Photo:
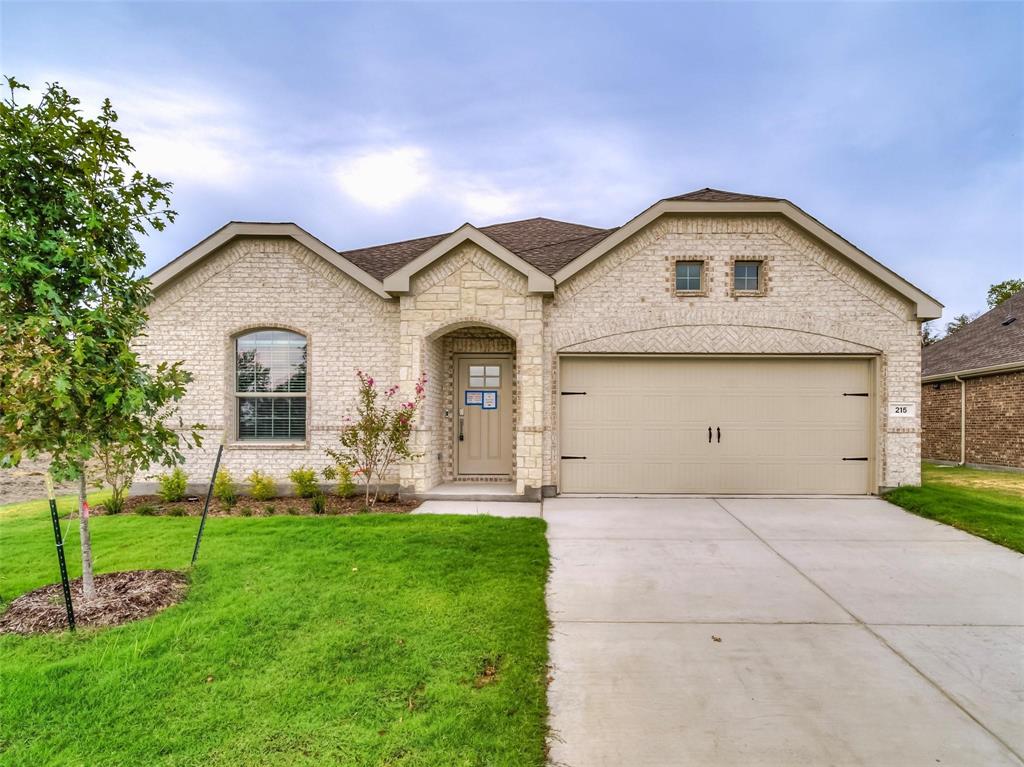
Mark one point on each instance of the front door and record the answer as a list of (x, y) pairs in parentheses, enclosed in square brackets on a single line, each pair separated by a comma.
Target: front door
[(483, 402)]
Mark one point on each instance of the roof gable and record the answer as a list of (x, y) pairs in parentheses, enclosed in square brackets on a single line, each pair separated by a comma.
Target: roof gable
[(990, 341), (167, 273)]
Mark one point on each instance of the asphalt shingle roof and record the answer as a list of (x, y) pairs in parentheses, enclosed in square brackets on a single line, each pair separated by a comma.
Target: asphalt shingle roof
[(983, 343), (543, 242)]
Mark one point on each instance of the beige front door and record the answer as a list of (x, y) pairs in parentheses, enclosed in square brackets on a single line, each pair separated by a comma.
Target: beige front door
[(483, 403), (716, 425)]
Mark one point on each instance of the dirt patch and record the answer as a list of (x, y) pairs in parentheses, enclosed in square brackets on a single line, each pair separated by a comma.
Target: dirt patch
[(488, 672), (120, 598), (249, 507), (975, 479)]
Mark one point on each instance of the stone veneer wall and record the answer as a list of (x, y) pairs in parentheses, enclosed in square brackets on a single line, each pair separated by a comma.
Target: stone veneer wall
[(270, 282), (471, 288), (995, 420), (814, 302)]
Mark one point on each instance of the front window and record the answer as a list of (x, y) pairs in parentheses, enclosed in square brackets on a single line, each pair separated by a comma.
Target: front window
[(688, 275), (747, 275), (270, 386)]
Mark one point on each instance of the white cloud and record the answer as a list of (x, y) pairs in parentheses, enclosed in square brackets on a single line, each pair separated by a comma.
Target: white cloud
[(385, 177), (184, 133)]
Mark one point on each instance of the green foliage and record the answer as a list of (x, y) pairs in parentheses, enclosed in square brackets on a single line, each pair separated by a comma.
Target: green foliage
[(380, 433), (928, 334), (224, 488), (146, 510), (72, 294), (176, 511), (293, 510), (304, 481), (341, 474), (246, 511), (271, 509), (318, 503), (171, 486), (1002, 290), (960, 322), (397, 611), (262, 486)]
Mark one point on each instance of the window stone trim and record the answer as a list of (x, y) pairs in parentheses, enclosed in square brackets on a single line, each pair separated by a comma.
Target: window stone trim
[(764, 277), (705, 276)]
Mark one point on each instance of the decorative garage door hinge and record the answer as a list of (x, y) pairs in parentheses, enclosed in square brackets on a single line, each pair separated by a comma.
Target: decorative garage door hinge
[(855, 394), (574, 458), (573, 393), (856, 459)]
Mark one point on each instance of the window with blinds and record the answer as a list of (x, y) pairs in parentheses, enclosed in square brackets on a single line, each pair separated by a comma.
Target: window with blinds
[(270, 385)]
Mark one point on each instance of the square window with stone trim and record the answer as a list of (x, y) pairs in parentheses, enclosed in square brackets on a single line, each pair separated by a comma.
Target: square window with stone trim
[(689, 276), (746, 276)]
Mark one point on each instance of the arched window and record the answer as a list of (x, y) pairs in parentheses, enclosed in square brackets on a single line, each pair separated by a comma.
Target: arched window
[(270, 386)]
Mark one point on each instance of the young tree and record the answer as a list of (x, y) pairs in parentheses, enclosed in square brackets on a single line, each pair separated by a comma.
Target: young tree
[(1002, 290), (928, 334), (960, 322), (378, 435), (72, 298)]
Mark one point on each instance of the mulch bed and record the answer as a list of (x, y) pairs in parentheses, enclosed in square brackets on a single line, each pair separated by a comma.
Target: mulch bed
[(249, 507), (120, 598)]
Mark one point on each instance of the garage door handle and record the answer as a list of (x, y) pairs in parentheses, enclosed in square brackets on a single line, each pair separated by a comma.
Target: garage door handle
[(709, 435), (719, 430)]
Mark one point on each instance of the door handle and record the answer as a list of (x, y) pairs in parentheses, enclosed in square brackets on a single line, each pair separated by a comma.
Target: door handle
[(709, 435), (462, 437), (719, 430)]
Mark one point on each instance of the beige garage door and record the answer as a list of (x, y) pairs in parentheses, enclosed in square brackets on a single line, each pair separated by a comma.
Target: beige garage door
[(715, 425)]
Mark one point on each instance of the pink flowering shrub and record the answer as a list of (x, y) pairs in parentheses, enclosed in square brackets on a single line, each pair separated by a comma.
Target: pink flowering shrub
[(379, 434)]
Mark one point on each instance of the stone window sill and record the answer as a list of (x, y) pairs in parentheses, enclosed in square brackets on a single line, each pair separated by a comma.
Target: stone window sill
[(691, 294), (266, 445)]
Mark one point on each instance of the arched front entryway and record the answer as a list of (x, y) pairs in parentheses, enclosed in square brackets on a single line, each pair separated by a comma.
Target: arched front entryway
[(475, 415)]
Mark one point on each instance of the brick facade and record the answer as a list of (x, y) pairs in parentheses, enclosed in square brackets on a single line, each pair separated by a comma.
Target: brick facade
[(995, 420), (814, 302)]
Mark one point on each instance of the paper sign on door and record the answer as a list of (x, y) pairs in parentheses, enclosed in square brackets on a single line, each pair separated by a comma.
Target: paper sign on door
[(474, 397), (490, 401)]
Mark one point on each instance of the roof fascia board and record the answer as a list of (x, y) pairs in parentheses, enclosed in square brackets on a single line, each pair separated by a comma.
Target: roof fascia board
[(1007, 367), (225, 234), (536, 280), (926, 307)]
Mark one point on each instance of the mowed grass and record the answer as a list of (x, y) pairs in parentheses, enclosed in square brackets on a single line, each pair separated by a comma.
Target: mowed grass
[(303, 641), (989, 504)]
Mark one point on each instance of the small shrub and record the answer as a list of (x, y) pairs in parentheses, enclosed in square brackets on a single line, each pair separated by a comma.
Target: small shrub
[(292, 510), (171, 486), (319, 503), (271, 509), (146, 510), (176, 511), (342, 474), (262, 486), (245, 511), (304, 481), (224, 488)]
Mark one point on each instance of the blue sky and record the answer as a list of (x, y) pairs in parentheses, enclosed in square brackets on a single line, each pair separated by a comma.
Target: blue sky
[(898, 125)]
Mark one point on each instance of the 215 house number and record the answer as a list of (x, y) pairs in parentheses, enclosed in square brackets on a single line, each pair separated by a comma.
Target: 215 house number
[(901, 410)]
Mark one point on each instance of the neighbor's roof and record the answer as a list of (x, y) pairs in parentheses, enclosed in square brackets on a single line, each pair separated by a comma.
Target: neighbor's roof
[(990, 341), (543, 242)]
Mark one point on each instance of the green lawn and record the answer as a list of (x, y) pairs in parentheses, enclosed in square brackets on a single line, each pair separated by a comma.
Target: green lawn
[(303, 641), (989, 504)]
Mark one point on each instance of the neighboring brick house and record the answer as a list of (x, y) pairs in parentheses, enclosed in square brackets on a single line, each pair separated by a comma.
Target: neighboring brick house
[(972, 391), (717, 342)]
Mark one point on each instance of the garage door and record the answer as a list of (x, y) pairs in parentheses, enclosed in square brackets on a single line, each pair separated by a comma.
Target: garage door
[(715, 425)]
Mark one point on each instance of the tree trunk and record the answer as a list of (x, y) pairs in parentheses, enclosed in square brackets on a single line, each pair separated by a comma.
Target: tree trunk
[(88, 589)]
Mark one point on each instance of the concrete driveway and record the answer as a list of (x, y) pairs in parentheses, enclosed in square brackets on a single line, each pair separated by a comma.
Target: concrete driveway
[(780, 632)]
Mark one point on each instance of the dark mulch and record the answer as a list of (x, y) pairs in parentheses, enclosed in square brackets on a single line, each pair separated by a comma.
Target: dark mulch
[(120, 598), (249, 507)]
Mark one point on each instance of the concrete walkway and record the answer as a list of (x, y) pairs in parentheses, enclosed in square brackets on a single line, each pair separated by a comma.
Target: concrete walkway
[(780, 632)]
